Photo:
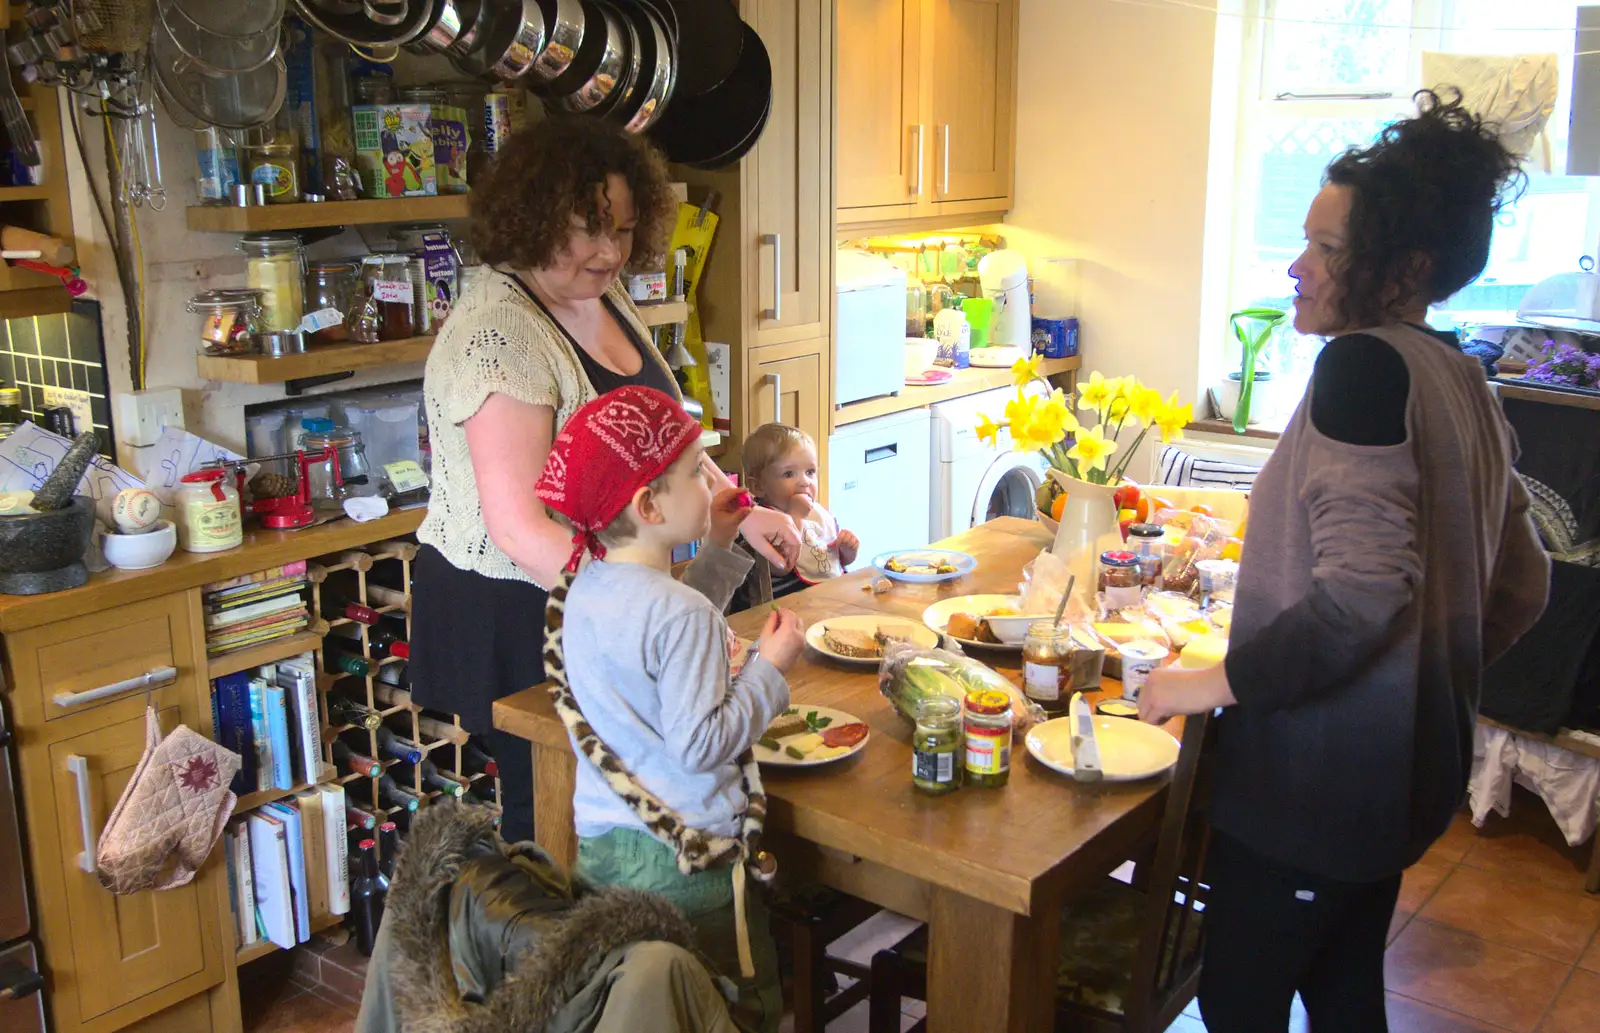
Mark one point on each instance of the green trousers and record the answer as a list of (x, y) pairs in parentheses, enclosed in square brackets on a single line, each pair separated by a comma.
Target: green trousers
[(627, 857)]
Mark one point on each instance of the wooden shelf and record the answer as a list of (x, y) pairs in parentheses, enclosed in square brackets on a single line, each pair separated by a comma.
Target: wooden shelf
[(34, 301), (265, 653), (261, 948), (663, 313), (316, 361), (224, 218), (39, 193), (968, 381), (250, 801)]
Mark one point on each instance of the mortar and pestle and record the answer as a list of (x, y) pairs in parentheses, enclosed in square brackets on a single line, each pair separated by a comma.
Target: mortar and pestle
[(42, 550)]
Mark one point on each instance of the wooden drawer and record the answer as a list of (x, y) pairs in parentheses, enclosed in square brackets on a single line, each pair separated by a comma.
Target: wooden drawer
[(87, 672)]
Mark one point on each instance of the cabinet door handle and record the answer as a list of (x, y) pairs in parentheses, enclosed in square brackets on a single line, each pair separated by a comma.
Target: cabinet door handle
[(916, 189), (79, 766), (944, 133), (774, 313), (149, 680), (776, 381)]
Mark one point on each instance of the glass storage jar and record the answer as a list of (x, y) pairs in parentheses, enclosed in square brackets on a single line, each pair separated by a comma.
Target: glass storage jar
[(216, 165), (375, 88), (273, 160), (936, 754), (209, 516), (1145, 541), (987, 733), (230, 319), (386, 275), (353, 479), (331, 294), (275, 266), (1046, 666), (1120, 579)]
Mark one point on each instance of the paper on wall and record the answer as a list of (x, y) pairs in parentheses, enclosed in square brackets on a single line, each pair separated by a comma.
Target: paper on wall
[(31, 452), (176, 453)]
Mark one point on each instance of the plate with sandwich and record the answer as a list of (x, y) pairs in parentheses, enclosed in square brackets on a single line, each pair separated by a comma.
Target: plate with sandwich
[(986, 621), (804, 736), (860, 638)]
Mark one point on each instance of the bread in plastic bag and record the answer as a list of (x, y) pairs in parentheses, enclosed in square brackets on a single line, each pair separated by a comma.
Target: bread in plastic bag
[(909, 673)]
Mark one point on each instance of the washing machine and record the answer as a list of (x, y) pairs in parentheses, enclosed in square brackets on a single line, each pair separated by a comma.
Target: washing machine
[(973, 482), (878, 481)]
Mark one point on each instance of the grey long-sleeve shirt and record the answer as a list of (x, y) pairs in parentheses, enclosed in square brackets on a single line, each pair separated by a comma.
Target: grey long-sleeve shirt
[(1377, 582), (647, 657)]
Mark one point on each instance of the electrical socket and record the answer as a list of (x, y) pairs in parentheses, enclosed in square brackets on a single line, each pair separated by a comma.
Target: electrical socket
[(143, 415)]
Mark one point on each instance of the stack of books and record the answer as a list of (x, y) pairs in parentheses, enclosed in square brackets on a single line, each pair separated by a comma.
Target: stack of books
[(288, 866), (255, 608), (269, 717)]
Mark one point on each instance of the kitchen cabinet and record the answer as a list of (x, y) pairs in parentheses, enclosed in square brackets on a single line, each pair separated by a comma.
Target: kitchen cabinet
[(789, 384), (926, 108)]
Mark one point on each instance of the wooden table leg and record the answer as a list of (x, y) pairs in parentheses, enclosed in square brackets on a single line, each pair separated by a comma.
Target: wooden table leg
[(989, 968), (554, 777)]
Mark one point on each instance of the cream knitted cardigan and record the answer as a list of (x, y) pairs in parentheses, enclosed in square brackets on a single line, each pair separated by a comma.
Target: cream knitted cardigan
[(496, 341)]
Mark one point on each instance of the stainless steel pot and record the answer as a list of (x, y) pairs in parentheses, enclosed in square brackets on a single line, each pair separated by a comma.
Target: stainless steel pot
[(653, 87), (564, 35), (613, 65), (363, 31), (513, 37), (442, 30), (474, 19)]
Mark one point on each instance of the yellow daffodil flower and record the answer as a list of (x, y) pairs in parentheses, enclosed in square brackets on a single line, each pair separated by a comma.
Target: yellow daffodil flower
[(1144, 405), (1117, 411), (1020, 417), (988, 430), (1096, 393), (1052, 421), (1091, 450), (1172, 418), (1026, 371)]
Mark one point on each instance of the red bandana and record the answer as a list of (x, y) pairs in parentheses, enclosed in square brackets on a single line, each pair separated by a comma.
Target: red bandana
[(609, 449)]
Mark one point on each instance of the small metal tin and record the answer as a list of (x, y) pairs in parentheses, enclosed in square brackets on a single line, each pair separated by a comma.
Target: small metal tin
[(258, 193), (241, 195), (278, 344), (312, 198)]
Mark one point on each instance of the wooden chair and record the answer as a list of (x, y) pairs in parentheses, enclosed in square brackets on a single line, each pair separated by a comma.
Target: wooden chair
[(814, 917), (1130, 954)]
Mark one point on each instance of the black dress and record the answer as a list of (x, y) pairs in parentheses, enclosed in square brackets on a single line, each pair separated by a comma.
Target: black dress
[(476, 638)]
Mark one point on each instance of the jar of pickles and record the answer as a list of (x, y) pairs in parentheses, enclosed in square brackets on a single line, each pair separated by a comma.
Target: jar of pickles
[(987, 732), (275, 266), (330, 295), (230, 319), (936, 761)]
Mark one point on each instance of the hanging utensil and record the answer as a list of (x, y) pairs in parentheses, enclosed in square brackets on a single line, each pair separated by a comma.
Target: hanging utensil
[(18, 130), (157, 191)]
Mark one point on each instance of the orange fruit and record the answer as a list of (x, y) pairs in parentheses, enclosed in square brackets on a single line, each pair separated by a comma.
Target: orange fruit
[(1202, 510), (1058, 506)]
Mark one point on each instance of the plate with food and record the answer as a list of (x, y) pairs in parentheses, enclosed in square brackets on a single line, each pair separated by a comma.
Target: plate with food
[(805, 736), (860, 639), (924, 566), (985, 621), (1128, 749)]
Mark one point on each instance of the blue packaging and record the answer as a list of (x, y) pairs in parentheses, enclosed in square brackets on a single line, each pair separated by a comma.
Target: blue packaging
[(1055, 338)]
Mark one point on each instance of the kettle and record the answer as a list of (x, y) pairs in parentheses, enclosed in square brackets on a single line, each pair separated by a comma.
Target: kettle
[(1003, 276)]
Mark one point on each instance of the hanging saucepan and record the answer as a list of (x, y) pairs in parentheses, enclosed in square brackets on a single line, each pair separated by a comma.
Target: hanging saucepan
[(230, 17), (361, 30), (212, 52), (231, 101), (610, 65), (511, 40), (592, 43), (632, 65), (710, 37), (653, 86), (443, 27), (475, 16), (564, 22), (718, 128)]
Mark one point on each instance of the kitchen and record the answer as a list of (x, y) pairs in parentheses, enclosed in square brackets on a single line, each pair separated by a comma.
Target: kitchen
[(967, 140)]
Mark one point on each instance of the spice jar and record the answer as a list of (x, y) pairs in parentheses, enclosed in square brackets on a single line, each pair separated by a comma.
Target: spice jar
[(209, 516), (987, 728), (1046, 666), (387, 278), (230, 320), (275, 267), (1146, 542), (936, 745), (329, 298), (1119, 579)]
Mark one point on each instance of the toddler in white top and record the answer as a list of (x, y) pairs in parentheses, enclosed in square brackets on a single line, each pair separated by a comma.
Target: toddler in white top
[(780, 471)]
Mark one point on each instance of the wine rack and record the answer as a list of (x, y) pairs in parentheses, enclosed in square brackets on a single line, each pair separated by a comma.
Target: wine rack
[(441, 742)]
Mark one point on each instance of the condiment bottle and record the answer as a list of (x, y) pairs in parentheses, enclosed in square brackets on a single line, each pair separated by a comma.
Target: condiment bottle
[(367, 895), (1120, 579), (1046, 666), (936, 762), (1147, 543), (210, 518), (987, 729)]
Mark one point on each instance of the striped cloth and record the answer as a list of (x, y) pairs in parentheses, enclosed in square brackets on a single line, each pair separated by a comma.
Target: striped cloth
[(1182, 469)]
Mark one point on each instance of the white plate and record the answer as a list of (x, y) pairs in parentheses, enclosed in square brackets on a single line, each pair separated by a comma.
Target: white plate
[(937, 616), (868, 623), (1129, 749), (995, 356), (778, 759)]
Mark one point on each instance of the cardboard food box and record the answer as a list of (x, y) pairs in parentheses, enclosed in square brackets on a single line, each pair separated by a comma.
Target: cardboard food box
[(395, 150), (451, 138)]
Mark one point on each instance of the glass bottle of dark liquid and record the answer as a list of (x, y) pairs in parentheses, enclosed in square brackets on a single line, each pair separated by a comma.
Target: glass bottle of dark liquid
[(432, 780), (345, 711), (334, 607), (475, 761), (397, 746), (350, 762), (393, 794), (388, 639), (343, 656), (388, 848), (367, 894), (395, 676)]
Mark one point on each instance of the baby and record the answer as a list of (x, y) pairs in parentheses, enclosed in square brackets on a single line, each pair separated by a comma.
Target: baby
[(780, 470)]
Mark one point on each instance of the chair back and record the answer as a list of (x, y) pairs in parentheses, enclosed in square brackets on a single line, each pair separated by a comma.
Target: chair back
[(1166, 971)]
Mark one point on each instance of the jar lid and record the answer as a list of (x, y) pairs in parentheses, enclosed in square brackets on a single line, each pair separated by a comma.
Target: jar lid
[(1119, 559), (1049, 627), (332, 268), (1116, 708), (316, 424), (270, 243), (226, 297), (203, 476), (988, 701), (10, 395), (1146, 531)]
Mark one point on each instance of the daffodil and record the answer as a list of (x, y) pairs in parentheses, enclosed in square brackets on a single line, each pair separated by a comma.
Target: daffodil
[(1026, 371), (1091, 449), (1172, 418), (1051, 421), (1117, 411), (988, 430), (1144, 405), (1096, 393)]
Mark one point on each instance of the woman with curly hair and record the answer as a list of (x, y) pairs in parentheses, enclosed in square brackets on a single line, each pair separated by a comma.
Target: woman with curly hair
[(1390, 559)]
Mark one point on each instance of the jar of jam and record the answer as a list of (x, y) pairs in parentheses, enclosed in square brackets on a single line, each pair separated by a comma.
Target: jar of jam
[(987, 731), (1120, 579), (386, 276), (330, 296), (1046, 666), (1147, 542)]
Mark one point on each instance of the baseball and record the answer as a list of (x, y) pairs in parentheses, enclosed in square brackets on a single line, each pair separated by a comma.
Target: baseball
[(135, 510)]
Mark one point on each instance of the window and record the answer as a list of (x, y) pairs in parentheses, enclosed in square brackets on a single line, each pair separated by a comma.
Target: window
[(1324, 75)]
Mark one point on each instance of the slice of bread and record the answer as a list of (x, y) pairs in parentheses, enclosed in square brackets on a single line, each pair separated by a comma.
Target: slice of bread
[(851, 642), (888, 633)]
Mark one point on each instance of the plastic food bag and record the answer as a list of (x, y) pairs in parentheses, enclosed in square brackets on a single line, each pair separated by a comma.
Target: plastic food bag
[(1043, 581), (910, 673)]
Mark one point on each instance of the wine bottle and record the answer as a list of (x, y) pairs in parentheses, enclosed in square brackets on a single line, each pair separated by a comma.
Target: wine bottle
[(352, 763), (388, 848), (398, 747), (367, 895), (388, 639), (360, 818), (343, 656), (336, 604), (387, 694), (342, 710), (475, 761), (394, 795), (432, 779), (396, 676)]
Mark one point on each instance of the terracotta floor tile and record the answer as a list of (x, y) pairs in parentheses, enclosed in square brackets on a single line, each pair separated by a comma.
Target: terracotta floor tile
[(303, 1013), (1516, 912), (1577, 1007), (1420, 881), (1529, 845), (1471, 976), (1408, 1016), (1457, 839), (1591, 957)]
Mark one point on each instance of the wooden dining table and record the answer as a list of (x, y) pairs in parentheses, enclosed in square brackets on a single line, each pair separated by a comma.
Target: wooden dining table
[(987, 869)]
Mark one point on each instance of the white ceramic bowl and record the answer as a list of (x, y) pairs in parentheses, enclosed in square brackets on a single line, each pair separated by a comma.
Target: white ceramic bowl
[(141, 551), (1012, 630), (920, 353)]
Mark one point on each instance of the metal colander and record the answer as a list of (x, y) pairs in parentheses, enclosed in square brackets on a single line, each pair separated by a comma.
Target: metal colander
[(124, 25)]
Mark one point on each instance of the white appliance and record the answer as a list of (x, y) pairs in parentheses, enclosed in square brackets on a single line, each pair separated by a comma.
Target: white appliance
[(1003, 275), (878, 473), (972, 482), (870, 328)]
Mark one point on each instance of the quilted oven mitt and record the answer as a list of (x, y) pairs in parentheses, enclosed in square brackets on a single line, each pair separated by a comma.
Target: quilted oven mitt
[(171, 813)]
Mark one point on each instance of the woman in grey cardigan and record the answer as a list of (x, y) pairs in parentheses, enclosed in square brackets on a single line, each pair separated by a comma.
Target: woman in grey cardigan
[(1390, 558)]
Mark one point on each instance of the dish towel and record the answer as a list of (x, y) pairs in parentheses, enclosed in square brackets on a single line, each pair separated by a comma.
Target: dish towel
[(1567, 782), (171, 813), (1516, 91)]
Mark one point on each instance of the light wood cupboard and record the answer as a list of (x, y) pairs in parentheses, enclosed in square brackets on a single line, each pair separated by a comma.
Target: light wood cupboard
[(926, 108), (788, 384)]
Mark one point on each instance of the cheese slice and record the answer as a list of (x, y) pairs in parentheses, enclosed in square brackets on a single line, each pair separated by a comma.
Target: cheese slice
[(1204, 651)]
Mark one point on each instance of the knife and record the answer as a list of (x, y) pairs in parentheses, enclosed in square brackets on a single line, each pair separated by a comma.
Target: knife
[(1085, 749)]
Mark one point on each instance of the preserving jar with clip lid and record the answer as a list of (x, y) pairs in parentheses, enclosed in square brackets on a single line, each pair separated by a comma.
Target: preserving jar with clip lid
[(344, 472), (331, 293), (230, 320), (275, 266)]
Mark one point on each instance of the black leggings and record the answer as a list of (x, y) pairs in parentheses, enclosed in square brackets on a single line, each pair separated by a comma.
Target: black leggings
[(514, 755), (1272, 931)]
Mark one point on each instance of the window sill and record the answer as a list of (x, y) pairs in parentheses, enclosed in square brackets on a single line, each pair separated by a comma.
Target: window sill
[(1265, 432)]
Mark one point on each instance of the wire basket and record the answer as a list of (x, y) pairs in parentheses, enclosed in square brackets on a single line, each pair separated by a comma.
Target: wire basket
[(124, 25)]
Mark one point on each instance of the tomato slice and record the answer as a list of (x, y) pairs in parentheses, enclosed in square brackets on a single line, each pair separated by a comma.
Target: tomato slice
[(844, 735)]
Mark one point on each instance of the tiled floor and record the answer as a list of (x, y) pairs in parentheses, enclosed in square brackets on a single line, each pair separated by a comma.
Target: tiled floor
[(1493, 933)]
